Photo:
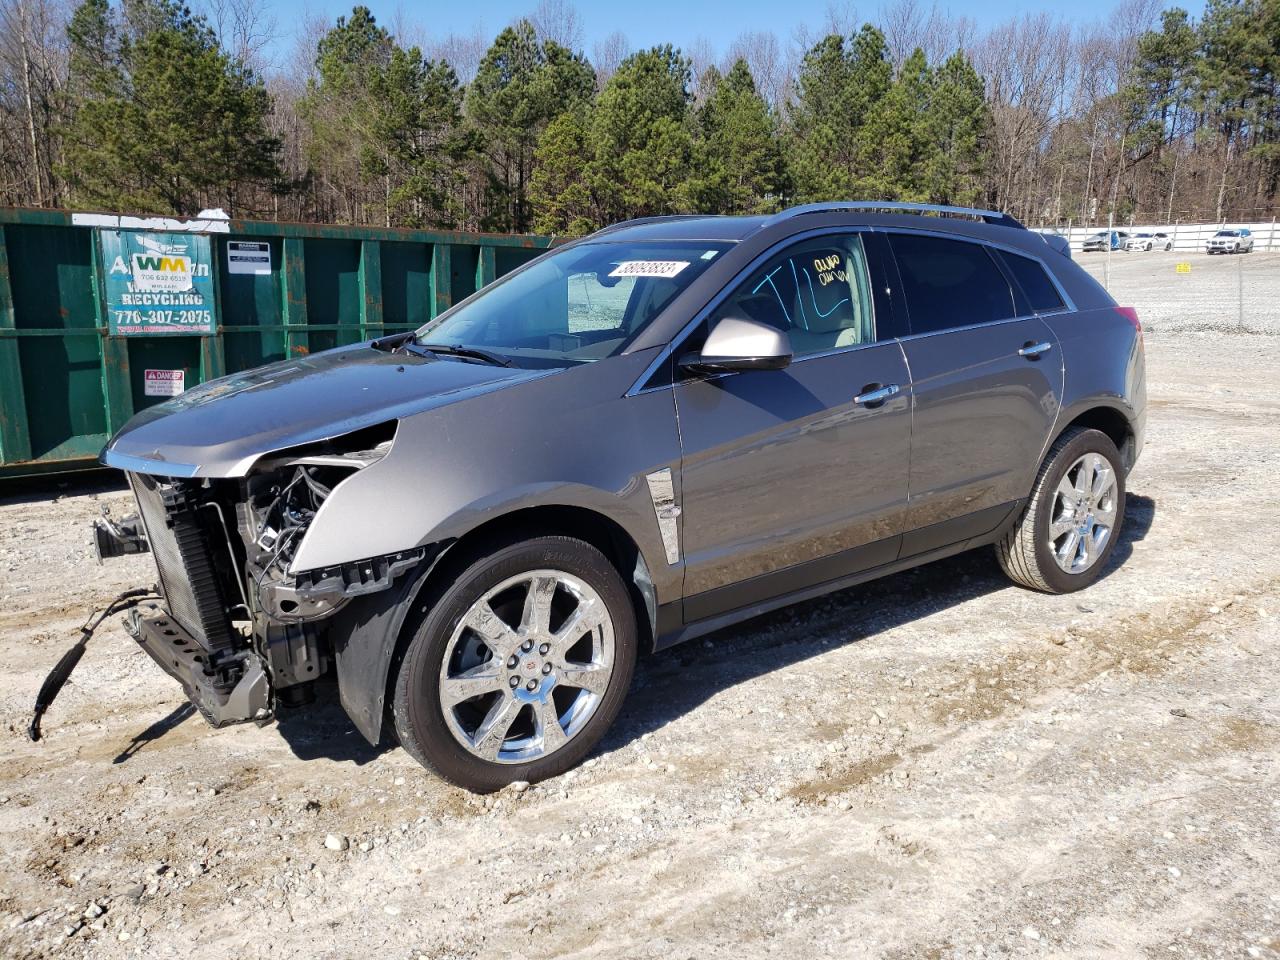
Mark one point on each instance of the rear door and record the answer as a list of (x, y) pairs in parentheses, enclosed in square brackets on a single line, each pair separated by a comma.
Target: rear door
[(986, 383), (796, 477)]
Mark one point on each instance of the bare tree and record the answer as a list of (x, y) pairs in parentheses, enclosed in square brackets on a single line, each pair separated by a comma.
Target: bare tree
[(1026, 63), (558, 20), (33, 57), (841, 18), (702, 57), (908, 25), (607, 55), (408, 29), (763, 54), (246, 29), (462, 51)]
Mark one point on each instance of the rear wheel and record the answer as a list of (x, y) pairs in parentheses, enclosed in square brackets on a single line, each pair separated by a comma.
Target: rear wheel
[(1069, 526), (519, 667)]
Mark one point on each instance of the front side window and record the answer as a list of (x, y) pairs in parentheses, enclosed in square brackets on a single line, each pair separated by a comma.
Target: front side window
[(583, 303), (817, 291), (949, 283)]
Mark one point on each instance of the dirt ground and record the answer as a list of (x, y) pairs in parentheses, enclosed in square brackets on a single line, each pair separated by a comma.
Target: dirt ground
[(1231, 294), (934, 765)]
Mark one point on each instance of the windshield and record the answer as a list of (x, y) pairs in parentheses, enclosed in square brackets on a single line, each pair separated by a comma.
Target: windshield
[(584, 303), (1225, 233)]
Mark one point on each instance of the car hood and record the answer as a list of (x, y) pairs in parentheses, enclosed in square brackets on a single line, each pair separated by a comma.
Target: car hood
[(219, 428)]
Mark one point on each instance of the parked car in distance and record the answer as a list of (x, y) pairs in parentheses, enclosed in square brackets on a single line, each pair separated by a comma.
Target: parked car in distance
[(642, 436), (1106, 240), (1230, 241), (1149, 241)]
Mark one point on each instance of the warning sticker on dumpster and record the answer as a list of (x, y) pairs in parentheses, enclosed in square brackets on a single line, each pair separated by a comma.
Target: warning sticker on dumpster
[(648, 268), (157, 283), (164, 383), (244, 256)]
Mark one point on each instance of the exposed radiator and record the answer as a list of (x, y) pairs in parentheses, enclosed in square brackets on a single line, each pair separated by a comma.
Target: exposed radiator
[(184, 553)]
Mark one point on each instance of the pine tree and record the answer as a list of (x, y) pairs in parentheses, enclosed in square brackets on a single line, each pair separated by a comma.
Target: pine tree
[(639, 143), (839, 85), (739, 166), (956, 128), (521, 86), (896, 149), (161, 119), (385, 127), (559, 192)]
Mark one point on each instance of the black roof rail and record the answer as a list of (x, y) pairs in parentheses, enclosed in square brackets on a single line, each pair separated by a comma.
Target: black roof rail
[(641, 220), (895, 206)]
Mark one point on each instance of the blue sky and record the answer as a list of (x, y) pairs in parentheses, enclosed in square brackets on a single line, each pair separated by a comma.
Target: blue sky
[(677, 21)]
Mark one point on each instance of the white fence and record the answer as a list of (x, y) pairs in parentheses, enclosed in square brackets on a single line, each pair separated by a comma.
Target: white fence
[(1187, 237)]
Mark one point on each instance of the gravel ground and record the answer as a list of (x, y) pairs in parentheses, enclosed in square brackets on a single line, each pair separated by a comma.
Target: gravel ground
[(934, 765), (1232, 294)]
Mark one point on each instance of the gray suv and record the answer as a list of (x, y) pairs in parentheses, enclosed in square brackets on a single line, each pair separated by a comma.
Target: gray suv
[(657, 431)]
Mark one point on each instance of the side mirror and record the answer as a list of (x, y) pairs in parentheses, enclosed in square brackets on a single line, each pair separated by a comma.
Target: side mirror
[(739, 344)]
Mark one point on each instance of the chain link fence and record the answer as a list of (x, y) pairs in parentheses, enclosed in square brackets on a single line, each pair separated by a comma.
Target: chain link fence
[(1179, 237), (1184, 291)]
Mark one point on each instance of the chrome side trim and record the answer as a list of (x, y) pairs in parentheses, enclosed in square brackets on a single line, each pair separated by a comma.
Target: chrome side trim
[(160, 468), (973, 326), (662, 493)]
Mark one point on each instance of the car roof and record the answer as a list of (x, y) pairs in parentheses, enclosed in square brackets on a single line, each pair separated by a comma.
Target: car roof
[(706, 227), (984, 224)]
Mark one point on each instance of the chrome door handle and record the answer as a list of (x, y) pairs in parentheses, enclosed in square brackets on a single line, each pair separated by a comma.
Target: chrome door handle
[(873, 398), (1033, 351)]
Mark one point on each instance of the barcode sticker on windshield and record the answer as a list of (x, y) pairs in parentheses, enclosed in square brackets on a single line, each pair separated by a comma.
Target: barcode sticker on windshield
[(648, 268)]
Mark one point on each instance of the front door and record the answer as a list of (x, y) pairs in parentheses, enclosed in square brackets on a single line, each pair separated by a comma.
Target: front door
[(795, 477)]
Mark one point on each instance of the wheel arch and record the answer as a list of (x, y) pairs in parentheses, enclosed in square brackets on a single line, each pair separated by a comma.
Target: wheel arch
[(371, 636), (603, 532), (1111, 420)]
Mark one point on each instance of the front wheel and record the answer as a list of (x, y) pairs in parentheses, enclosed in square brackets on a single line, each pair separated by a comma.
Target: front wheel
[(1069, 527), (519, 665)]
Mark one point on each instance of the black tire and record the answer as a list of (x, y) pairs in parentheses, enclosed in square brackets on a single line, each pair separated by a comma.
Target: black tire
[(416, 707), (1024, 552)]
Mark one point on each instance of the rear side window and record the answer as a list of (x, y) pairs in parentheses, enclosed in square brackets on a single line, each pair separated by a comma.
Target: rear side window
[(949, 283), (1035, 282)]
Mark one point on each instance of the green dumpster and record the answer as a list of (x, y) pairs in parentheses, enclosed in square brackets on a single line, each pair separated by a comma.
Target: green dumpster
[(102, 315)]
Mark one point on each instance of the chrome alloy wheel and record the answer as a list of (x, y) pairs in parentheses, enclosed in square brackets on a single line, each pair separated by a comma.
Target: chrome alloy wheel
[(527, 666), (1084, 513)]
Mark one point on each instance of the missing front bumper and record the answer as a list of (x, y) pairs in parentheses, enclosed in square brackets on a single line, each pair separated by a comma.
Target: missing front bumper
[(236, 691)]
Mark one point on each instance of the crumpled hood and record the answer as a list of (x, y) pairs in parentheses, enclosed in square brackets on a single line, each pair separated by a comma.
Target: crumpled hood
[(219, 428)]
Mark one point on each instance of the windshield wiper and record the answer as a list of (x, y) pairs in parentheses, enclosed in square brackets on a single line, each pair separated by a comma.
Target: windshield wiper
[(458, 350)]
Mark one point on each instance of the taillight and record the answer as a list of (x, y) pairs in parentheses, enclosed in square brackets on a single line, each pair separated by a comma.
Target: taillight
[(1131, 314)]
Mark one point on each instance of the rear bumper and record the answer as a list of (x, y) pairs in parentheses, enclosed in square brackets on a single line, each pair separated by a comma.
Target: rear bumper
[(222, 701)]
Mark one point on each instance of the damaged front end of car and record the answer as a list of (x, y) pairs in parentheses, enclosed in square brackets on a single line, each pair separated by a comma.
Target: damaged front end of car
[(239, 628)]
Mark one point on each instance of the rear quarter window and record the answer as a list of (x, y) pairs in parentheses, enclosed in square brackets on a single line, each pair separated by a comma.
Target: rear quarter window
[(1035, 282)]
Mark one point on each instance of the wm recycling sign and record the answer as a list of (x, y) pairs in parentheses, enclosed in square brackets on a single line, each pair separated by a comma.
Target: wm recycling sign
[(157, 283)]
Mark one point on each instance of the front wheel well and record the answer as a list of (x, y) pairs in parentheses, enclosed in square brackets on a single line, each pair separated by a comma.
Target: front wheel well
[(606, 535), (1113, 423)]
